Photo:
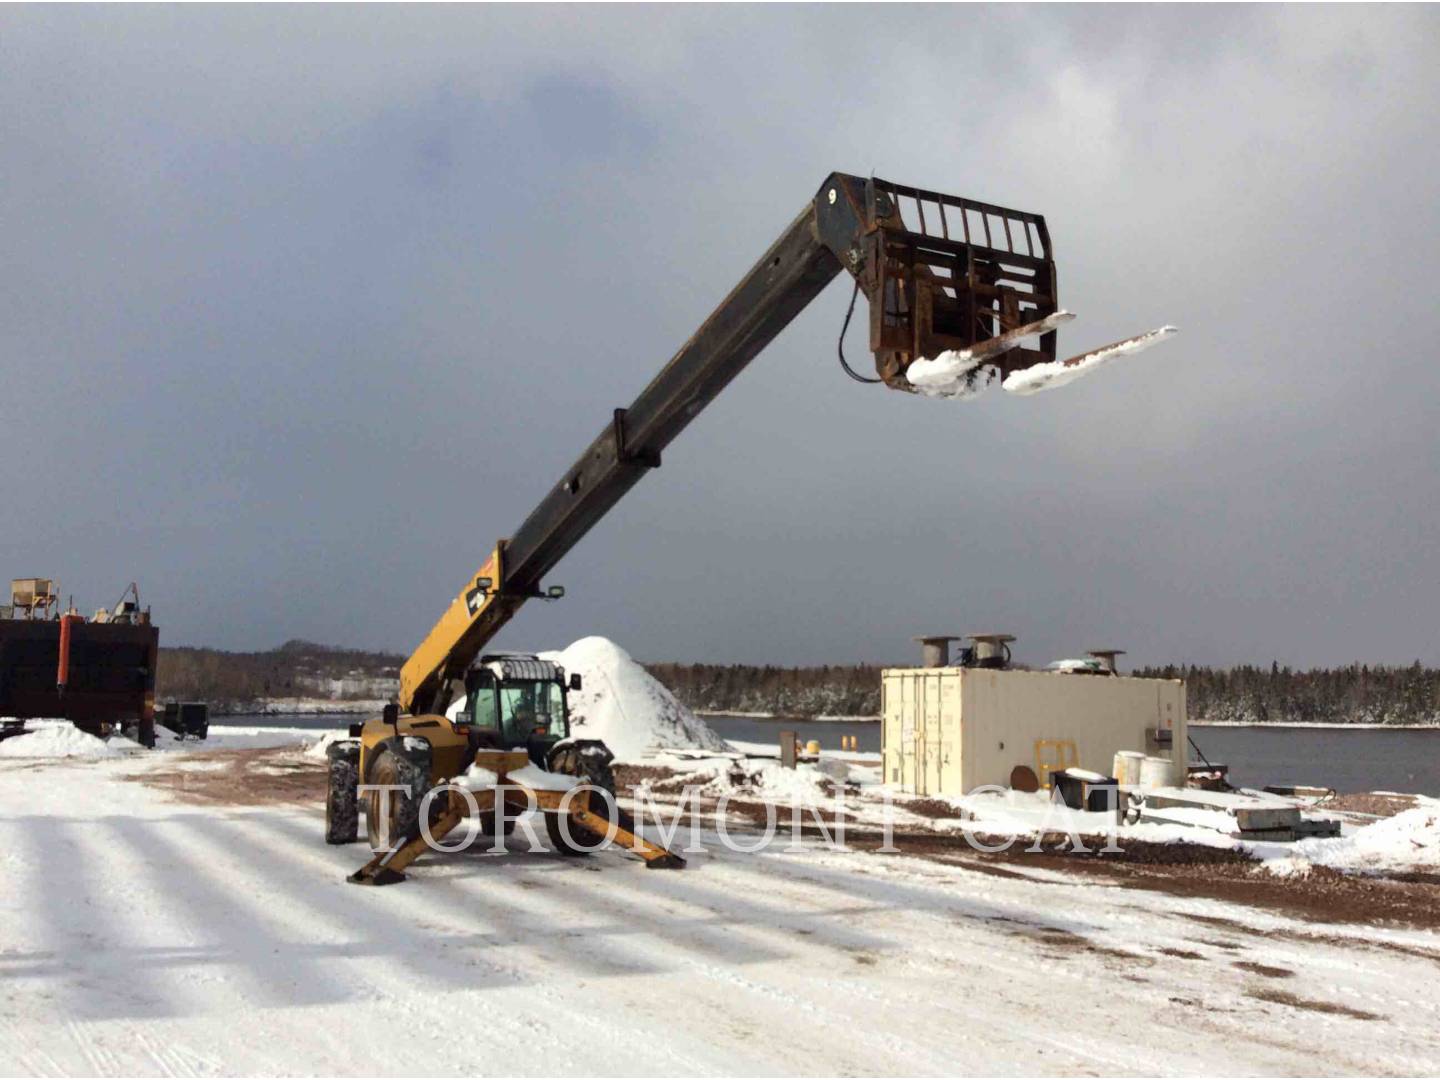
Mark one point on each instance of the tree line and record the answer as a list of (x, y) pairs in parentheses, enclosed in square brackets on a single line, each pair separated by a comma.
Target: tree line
[(783, 691), (296, 669), (1356, 694)]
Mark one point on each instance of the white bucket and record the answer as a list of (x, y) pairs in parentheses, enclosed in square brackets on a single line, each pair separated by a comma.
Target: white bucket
[(1157, 772), (1127, 767)]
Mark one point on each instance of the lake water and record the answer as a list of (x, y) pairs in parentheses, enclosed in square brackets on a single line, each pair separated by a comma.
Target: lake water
[(1343, 758)]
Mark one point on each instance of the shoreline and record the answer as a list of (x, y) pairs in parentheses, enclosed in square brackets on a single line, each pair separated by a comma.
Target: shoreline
[(295, 707), (320, 707), (1298, 725), (823, 718)]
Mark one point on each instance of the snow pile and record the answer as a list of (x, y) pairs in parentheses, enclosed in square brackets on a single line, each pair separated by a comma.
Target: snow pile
[(1032, 380), (1408, 841), (58, 740), (622, 703)]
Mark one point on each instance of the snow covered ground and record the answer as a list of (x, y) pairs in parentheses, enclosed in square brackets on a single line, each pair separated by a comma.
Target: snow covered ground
[(177, 913), (143, 934)]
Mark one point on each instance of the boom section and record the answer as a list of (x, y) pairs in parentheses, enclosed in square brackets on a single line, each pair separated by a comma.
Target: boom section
[(925, 291)]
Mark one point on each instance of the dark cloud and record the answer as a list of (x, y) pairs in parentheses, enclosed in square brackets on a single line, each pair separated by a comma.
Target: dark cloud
[(304, 307)]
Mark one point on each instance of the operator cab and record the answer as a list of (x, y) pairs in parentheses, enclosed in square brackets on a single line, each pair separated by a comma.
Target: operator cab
[(514, 700)]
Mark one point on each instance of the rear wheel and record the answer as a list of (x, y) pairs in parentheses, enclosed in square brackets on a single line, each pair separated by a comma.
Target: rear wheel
[(591, 763), (391, 815)]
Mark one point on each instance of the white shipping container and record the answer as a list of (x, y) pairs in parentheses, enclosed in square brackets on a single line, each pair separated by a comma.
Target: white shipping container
[(947, 731)]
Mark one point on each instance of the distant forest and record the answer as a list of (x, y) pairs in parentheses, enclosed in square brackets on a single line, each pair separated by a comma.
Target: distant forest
[(296, 669), (813, 691), (1358, 694)]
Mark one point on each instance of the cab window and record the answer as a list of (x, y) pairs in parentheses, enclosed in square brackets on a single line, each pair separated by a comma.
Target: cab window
[(532, 710), (481, 709)]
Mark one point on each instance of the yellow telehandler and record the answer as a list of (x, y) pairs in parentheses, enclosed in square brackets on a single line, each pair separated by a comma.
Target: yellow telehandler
[(965, 288)]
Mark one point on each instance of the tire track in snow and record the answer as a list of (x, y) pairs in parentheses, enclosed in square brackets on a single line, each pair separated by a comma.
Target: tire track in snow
[(246, 956), (873, 990), (540, 954), (22, 1054), (1006, 965), (625, 896), (322, 914), (1175, 982), (72, 875), (797, 960)]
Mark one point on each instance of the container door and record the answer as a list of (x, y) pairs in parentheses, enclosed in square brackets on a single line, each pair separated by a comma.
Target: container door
[(907, 732), (891, 743), (950, 773), (934, 735)]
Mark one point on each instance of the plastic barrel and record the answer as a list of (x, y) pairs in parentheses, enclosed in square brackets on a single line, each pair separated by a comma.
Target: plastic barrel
[(1157, 772)]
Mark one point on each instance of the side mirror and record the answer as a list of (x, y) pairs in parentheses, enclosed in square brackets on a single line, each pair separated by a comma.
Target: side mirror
[(483, 584), (575, 680), (555, 592)]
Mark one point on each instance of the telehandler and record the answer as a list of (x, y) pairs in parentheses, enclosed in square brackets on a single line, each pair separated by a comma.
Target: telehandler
[(967, 288)]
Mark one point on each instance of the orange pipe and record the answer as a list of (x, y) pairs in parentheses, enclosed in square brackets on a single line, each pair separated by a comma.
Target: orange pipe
[(62, 674)]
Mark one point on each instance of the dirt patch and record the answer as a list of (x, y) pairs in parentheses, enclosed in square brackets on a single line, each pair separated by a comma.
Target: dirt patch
[(1219, 943), (1282, 997), (629, 777), (1366, 802), (1223, 924), (1182, 954), (1188, 870), (241, 777), (934, 809), (1061, 942), (1266, 970), (1418, 952)]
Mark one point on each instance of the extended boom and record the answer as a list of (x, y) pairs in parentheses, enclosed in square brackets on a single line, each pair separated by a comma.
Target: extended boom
[(943, 276)]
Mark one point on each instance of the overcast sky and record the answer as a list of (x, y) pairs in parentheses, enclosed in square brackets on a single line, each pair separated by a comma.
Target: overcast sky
[(302, 309)]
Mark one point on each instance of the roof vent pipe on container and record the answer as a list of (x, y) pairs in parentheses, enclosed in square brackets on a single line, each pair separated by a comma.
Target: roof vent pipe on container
[(935, 650), (1107, 657), (992, 650)]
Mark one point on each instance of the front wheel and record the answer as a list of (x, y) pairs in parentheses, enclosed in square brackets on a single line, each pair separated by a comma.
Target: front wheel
[(400, 777)]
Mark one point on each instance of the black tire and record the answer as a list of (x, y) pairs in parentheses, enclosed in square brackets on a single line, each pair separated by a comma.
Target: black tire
[(405, 766), (342, 796), (487, 822), (590, 761)]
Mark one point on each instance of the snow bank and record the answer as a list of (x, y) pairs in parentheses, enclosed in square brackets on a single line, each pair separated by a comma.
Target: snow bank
[(59, 740), (622, 703), (319, 750), (1408, 841), (757, 779), (1057, 373)]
